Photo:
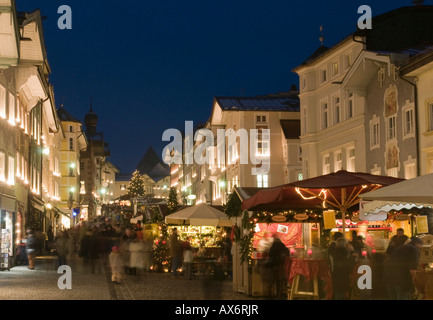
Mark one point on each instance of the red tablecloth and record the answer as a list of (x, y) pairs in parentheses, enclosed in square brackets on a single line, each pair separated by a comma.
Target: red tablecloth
[(309, 268)]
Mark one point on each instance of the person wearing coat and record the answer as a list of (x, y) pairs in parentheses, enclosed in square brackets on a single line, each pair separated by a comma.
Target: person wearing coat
[(136, 254), (187, 260), (31, 248), (62, 247), (116, 265)]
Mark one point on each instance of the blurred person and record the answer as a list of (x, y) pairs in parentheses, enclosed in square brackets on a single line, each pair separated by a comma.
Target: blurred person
[(398, 240), (31, 248), (273, 274), (125, 241), (402, 260), (331, 248), (265, 243), (136, 252), (188, 259), (116, 265), (175, 252), (62, 247), (148, 247), (342, 268)]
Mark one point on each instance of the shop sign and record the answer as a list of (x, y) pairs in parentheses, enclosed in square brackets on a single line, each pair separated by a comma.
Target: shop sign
[(421, 224), (278, 218), (329, 219), (402, 217), (301, 216)]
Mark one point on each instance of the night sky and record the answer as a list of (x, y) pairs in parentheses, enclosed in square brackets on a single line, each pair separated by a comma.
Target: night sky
[(152, 65)]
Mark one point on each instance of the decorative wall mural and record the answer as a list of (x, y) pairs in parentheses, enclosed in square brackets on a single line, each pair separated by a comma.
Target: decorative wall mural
[(392, 155), (391, 100)]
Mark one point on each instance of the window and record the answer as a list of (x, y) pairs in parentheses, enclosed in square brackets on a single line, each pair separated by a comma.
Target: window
[(262, 181), (430, 116), (71, 129), (2, 102), (410, 170), (374, 134), (335, 68), (11, 171), (2, 167), (325, 113), (348, 60), (326, 164), (337, 109), (300, 177), (11, 115), (391, 128), (351, 159), (263, 149), (304, 120), (322, 75), (408, 123), (381, 77), (261, 119), (71, 143), (338, 165), (350, 110), (123, 187), (393, 172)]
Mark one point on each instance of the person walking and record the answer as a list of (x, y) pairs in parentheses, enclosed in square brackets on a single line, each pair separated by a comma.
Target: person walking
[(187, 260), (342, 268), (62, 247), (136, 251), (273, 269), (396, 241), (403, 259), (175, 252), (116, 265), (31, 248)]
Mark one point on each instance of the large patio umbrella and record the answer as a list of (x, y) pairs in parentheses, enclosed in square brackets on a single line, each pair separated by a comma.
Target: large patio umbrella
[(279, 198), (341, 189), (412, 193), (199, 215)]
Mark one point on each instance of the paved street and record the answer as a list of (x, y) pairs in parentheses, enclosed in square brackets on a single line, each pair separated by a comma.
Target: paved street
[(21, 283)]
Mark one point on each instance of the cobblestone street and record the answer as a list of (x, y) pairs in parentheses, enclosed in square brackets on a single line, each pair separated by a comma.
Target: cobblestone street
[(21, 283)]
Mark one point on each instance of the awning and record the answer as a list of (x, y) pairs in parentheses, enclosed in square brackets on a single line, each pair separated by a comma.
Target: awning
[(416, 193)]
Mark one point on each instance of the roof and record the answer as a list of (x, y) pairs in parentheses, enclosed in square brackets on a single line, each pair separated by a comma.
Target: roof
[(66, 116), (291, 128), (153, 166), (265, 103)]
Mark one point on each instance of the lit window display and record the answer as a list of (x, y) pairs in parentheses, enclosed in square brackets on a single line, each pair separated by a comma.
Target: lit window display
[(6, 241)]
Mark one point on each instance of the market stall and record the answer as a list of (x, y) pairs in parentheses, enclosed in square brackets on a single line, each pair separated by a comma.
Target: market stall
[(203, 225)]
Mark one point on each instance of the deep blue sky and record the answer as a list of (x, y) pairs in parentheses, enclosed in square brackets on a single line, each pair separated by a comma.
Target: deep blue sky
[(151, 65)]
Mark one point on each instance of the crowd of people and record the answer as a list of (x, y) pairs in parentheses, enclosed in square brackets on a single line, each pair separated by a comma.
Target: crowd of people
[(391, 271), (128, 250), (125, 250)]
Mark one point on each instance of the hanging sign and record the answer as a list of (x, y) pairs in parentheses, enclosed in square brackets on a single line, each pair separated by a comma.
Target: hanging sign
[(421, 224), (301, 216), (329, 219), (278, 218)]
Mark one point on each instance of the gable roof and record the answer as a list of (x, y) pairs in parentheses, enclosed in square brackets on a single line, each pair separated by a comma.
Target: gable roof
[(291, 128), (259, 103), (153, 166), (66, 116)]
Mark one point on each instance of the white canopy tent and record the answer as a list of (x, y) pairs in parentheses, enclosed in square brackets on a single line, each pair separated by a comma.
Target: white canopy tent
[(408, 194), (199, 215)]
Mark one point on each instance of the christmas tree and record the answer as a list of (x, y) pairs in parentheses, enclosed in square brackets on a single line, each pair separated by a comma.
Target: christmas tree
[(172, 204), (136, 185), (136, 188), (161, 249)]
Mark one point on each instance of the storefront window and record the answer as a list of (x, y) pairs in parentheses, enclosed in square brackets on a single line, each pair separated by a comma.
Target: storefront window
[(6, 241)]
